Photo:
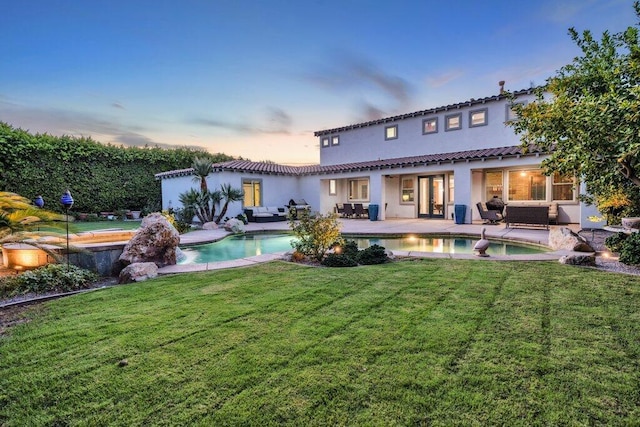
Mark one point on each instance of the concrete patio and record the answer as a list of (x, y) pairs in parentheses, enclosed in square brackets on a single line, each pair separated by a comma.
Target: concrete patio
[(390, 226)]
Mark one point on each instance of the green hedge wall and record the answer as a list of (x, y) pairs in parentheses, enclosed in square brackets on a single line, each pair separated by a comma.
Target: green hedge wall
[(100, 177)]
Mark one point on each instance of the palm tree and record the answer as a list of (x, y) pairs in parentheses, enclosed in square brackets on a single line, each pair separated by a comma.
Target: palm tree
[(202, 167), (229, 195), (202, 203), (20, 221)]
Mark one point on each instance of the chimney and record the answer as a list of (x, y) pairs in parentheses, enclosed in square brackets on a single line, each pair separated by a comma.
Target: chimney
[(501, 83)]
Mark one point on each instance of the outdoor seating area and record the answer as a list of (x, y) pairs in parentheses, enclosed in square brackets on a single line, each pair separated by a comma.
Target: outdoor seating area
[(265, 214), (527, 216), (352, 210), (489, 216)]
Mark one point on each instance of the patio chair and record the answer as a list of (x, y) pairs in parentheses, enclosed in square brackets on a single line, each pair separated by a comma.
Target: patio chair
[(347, 210), (358, 210), (489, 216), (339, 208)]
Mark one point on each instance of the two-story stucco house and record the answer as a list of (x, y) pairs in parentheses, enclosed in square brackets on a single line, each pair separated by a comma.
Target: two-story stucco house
[(415, 165)]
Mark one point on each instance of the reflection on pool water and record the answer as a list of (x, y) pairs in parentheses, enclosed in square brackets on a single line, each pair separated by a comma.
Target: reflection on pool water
[(243, 246)]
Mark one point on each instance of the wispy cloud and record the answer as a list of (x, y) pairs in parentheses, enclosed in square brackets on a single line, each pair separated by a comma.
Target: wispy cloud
[(564, 12), (118, 105), (66, 122), (276, 121), (439, 80), (356, 75)]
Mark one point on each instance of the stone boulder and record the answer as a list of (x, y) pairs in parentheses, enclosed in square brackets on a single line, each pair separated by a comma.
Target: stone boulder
[(210, 226), (235, 226), (138, 272), (155, 241), (564, 239), (586, 260)]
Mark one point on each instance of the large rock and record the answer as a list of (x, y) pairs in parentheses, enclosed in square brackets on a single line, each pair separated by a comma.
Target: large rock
[(563, 238), (631, 223), (156, 241), (235, 226), (579, 259), (138, 272), (210, 226)]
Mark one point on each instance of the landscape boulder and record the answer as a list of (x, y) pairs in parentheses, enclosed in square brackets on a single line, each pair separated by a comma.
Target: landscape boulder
[(155, 241), (138, 272), (210, 226), (631, 223), (564, 239), (585, 260), (235, 226)]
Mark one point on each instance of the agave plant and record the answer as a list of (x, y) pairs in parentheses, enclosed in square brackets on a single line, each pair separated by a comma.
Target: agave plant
[(203, 203)]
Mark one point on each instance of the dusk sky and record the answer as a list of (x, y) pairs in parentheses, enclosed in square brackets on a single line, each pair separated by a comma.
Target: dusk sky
[(257, 78)]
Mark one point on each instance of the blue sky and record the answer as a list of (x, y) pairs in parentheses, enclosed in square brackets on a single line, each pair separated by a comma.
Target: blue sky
[(257, 78)]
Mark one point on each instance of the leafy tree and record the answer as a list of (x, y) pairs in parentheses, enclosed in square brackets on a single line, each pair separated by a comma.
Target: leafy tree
[(588, 115)]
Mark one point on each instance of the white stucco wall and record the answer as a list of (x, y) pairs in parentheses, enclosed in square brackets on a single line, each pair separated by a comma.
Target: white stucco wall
[(368, 143)]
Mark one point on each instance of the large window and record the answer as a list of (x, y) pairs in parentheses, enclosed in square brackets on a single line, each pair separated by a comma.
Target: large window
[(493, 184), (563, 187), (359, 189), (252, 192), (527, 185), (408, 191)]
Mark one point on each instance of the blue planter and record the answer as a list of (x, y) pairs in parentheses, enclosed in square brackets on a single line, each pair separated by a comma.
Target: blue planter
[(460, 213), (373, 212)]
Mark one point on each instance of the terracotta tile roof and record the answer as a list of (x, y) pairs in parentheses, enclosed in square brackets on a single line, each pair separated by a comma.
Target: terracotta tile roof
[(245, 166), (430, 111)]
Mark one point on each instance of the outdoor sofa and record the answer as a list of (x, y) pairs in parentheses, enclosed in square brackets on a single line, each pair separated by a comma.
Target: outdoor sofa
[(265, 214), (527, 216)]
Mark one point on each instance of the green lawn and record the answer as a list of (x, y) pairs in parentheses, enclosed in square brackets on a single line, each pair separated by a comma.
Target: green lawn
[(79, 226), (422, 342)]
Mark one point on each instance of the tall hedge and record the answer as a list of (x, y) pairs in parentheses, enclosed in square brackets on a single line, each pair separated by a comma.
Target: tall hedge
[(101, 177)]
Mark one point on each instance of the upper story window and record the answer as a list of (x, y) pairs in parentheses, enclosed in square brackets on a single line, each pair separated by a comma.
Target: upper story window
[(391, 132), (430, 125), (510, 113), (335, 140), (453, 122), (478, 117), (324, 141)]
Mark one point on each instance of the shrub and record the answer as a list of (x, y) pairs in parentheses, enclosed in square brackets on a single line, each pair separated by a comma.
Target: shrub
[(50, 278), (339, 260), (374, 254), (350, 248), (315, 234), (615, 242), (630, 250)]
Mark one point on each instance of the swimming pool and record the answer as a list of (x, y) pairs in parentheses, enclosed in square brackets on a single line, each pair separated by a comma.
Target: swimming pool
[(248, 245)]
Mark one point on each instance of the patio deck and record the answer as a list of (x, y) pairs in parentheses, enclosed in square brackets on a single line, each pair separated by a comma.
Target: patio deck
[(389, 226)]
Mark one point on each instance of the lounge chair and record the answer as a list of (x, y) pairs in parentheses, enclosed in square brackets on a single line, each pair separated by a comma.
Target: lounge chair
[(359, 210), (339, 208), (347, 210), (489, 216)]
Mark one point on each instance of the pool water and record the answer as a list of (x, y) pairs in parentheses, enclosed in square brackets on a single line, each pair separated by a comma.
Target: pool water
[(244, 246)]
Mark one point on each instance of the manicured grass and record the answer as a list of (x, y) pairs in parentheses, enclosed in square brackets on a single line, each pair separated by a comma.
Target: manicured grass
[(423, 342), (79, 226)]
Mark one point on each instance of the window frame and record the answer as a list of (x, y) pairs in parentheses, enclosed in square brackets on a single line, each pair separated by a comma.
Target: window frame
[(324, 142), (253, 182), (335, 140), (386, 132), (485, 120), (409, 191), (542, 188), (571, 180), (357, 181), (433, 120), (509, 117), (447, 123), (333, 187)]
